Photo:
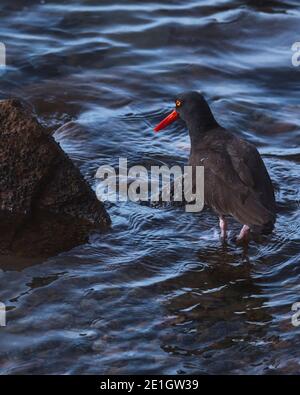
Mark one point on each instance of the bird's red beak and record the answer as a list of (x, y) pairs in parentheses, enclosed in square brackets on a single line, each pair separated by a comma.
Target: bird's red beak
[(166, 121)]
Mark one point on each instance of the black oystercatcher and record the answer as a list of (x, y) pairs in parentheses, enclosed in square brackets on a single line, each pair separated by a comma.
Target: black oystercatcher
[(236, 181)]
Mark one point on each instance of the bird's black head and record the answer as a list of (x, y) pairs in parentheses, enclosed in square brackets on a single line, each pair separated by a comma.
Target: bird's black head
[(192, 108)]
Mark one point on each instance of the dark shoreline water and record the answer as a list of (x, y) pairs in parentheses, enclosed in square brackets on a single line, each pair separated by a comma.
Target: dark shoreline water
[(158, 293)]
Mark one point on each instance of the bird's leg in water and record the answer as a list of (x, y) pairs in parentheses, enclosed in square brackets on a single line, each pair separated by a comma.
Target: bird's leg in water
[(223, 227), (244, 234)]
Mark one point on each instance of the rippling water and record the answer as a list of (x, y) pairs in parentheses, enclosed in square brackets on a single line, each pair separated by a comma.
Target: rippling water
[(158, 293)]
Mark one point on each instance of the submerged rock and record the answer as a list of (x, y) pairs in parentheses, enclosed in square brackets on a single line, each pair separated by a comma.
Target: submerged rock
[(46, 206)]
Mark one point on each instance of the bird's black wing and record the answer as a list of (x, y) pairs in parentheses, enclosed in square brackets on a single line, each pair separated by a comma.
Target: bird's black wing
[(230, 185), (251, 169)]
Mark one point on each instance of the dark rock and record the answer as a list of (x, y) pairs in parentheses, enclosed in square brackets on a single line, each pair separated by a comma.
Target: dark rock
[(46, 206)]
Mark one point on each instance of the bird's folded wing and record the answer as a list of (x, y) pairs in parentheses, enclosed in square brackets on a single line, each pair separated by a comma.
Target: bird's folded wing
[(232, 190)]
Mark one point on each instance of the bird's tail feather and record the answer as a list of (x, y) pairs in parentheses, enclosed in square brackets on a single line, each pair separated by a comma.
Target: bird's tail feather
[(251, 212)]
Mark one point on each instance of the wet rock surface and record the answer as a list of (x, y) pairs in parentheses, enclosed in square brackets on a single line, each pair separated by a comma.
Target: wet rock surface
[(46, 206)]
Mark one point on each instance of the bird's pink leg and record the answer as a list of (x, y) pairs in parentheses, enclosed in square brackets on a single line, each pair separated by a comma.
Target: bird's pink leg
[(244, 233), (223, 227)]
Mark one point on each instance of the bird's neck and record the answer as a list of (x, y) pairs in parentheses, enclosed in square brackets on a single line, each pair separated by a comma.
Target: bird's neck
[(198, 129)]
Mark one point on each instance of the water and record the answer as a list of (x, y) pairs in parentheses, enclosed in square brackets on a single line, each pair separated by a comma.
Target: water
[(158, 293)]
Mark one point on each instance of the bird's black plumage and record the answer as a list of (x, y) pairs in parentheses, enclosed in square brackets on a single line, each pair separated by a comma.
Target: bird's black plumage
[(236, 180)]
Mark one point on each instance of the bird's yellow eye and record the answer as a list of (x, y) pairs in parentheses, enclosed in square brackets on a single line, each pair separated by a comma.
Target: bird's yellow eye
[(178, 103)]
